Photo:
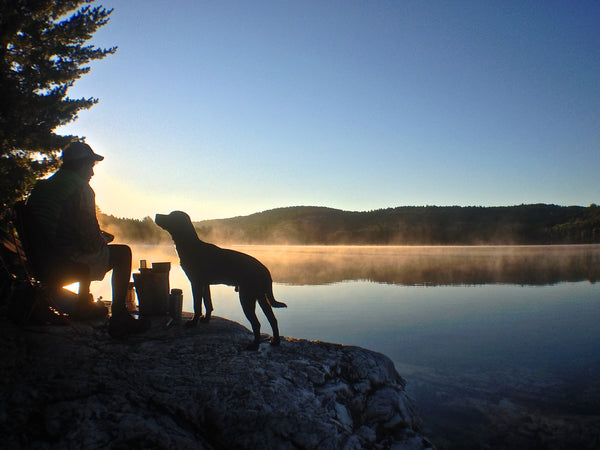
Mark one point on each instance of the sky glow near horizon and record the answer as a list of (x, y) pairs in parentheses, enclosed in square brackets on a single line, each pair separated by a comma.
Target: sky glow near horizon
[(226, 108)]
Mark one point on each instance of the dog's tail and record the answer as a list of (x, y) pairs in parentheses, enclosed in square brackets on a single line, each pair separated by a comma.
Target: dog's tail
[(274, 303)]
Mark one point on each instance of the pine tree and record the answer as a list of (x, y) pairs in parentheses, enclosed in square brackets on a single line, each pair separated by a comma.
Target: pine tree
[(43, 52)]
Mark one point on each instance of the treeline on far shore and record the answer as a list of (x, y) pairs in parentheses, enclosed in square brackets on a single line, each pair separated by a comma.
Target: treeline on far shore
[(426, 225)]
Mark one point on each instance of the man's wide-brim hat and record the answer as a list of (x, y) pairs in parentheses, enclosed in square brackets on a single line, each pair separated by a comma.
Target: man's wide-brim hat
[(79, 151)]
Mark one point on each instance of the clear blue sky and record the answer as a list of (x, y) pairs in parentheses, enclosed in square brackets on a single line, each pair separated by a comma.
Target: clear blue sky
[(226, 108)]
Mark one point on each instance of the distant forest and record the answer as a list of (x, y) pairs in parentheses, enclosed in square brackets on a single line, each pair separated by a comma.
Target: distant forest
[(426, 225)]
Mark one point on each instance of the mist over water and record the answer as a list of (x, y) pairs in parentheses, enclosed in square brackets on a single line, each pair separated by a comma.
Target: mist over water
[(487, 337), (399, 265), (430, 265), (418, 265)]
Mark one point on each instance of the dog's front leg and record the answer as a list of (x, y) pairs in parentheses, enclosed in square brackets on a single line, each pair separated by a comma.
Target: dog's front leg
[(197, 292), (208, 307)]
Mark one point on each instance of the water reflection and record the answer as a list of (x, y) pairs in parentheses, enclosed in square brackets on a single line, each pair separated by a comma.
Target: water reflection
[(435, 266), (404, 266)]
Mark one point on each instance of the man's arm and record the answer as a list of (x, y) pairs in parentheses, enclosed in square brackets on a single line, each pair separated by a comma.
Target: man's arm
[(90, 235)]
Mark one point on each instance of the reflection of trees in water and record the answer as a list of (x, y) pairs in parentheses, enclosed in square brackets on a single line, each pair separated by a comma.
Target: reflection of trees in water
[(309, 265), (431, 265)]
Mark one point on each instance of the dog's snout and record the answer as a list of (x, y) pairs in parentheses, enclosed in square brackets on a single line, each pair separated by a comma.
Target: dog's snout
[(159, 219)]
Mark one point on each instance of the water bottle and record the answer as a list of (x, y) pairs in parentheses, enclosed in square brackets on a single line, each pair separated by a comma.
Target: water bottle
[(175, 304)]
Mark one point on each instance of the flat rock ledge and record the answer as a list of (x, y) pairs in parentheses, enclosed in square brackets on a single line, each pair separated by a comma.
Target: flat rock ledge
[(196, 388)]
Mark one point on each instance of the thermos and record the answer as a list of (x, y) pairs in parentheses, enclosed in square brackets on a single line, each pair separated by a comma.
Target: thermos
[(175, 303)]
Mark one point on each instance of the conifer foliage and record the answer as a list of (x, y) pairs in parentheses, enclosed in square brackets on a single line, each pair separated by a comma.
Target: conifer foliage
[(43, 51)]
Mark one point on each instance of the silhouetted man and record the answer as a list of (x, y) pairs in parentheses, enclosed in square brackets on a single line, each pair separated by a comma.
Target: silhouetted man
[(64, 209)]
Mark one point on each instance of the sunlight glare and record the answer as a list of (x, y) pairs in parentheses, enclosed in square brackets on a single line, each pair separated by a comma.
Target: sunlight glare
[(73, 287)]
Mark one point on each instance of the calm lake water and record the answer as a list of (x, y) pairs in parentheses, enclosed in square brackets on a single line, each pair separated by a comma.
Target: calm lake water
[(500, 346)]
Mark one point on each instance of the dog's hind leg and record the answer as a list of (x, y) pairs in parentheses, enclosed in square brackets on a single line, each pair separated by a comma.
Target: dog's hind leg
[(266, 307), (248, 305)]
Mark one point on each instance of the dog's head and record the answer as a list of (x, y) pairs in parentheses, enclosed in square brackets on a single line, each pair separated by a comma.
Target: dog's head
[(177, 223)]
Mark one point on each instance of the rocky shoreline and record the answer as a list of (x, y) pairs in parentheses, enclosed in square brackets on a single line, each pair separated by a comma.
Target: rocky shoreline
[(178, 387)]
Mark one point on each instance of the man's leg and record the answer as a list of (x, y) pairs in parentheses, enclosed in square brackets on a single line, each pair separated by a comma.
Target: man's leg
[(122, 323), (120, 263)]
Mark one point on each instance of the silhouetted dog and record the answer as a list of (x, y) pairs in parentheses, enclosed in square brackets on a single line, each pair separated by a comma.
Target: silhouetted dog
[(206, 264)]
